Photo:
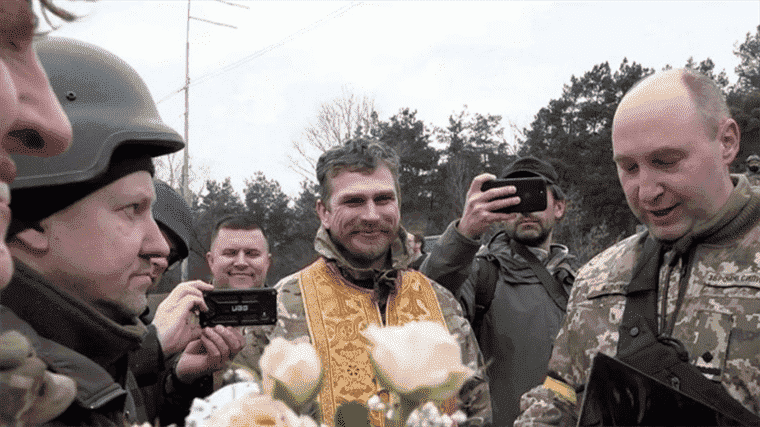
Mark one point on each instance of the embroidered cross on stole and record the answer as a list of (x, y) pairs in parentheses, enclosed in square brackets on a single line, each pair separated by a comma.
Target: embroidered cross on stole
[(337, 311)]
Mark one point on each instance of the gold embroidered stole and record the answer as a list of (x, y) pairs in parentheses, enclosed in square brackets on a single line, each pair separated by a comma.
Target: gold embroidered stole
[(337, 311)]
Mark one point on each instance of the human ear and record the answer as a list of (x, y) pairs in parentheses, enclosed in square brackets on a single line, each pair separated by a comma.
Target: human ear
[(729, 136), (33, 240), (324, 213), (559, 208)]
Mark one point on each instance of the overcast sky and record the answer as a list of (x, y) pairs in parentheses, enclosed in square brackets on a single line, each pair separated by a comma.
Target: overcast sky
[(505, 58)]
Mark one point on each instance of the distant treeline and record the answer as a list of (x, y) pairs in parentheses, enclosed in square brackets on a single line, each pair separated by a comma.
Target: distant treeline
[(573, 132)]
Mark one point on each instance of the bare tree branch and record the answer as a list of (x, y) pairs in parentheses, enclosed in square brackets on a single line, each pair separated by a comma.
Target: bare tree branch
[(345, 117), (169, 170)]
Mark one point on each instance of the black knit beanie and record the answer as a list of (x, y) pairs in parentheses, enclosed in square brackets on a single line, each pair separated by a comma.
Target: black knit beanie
[(29, 206)]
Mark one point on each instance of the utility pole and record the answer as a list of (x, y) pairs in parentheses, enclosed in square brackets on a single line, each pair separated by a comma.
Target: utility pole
[(185, 165), (185, 170)]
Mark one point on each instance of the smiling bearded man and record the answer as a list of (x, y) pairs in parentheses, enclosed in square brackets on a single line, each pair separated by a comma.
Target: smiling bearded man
[(363, 277)]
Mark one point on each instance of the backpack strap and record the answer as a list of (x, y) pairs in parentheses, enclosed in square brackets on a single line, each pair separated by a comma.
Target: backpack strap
[(485, 286), (555, 290)]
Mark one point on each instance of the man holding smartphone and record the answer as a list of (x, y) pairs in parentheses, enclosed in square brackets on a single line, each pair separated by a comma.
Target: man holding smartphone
[(239, 259), (515, 294)]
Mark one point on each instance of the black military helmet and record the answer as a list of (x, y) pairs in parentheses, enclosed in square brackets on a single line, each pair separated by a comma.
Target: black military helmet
[(117, 130), (108, 105), (172, 214)]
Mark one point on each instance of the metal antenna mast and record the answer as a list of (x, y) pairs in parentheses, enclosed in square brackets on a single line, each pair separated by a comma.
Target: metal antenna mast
[(185, 165)]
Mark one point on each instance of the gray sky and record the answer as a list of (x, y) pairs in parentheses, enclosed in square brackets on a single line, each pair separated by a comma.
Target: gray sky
[(505, 58)]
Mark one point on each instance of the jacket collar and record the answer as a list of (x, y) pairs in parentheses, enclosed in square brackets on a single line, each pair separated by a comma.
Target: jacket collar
[(95, 386), (499, 244), (62, 318), (739, 212), (400, 255)]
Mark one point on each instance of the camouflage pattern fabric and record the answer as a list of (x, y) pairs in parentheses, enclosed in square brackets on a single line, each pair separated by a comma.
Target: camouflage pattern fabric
[(256, 339), (474, 398), (754, 178), (753, 162), (719, 321)]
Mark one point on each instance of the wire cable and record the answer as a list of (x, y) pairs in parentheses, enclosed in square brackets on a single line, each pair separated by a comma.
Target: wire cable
[(229, 67)]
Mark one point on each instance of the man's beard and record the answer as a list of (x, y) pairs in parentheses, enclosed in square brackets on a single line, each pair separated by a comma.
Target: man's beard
[(362, 259), (366, 258), (531, 240)]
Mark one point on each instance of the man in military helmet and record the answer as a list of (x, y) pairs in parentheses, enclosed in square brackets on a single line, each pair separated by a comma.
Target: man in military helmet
[(361, 243), (173, 307), (172, 318), (679, 300), (753, 169), (172, 304), (175, 220), (83, 235)]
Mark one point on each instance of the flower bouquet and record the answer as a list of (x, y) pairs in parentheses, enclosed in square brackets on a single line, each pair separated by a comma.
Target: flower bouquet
[(419, 364)]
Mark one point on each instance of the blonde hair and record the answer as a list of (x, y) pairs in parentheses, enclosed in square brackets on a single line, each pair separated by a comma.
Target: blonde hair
[(48, 6)]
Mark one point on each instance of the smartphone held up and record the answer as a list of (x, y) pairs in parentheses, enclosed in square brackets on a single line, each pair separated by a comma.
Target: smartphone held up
[(240, 307), (530, 190)]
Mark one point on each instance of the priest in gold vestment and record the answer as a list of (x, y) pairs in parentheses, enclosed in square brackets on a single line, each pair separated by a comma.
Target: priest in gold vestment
[(363, 277)]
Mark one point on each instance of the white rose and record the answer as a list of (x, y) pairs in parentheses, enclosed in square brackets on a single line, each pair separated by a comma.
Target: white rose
[(257, 410), (291, 371), (420, 361)]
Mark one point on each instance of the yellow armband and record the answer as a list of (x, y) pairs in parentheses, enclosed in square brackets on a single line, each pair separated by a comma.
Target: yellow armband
[(563, 390)]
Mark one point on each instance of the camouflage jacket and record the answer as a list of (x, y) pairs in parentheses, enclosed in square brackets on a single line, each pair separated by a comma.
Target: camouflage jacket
[(718, 321), (256, 339), (474, 398), (754, 178)]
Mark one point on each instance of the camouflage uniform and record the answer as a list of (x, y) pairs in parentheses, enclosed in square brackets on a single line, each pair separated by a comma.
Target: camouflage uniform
[(256, 339), (753, 176), (718, 321), (474, 398)]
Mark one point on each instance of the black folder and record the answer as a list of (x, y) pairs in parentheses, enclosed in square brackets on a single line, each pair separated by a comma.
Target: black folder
[(618, 394)]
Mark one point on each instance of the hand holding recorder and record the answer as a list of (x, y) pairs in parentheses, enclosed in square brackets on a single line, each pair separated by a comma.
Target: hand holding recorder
[(201, 322), (176, 318)]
